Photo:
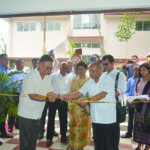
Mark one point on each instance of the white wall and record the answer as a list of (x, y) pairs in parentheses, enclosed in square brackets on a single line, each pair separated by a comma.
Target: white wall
[(139, 43), (30, 44)]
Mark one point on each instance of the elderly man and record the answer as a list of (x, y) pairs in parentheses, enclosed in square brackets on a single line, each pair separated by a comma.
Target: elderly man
[(108, 63), (100, 88), (16, 78), (36, 87), (61, 84)]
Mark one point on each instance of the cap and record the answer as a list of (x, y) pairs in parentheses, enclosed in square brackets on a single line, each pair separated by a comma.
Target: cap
[(51, 51)]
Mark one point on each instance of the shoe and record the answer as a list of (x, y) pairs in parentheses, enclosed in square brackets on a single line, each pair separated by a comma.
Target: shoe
[(64, 140), (1, 142), (41, 135), (49, 142), (55, 133), (10, 130), (6, 135), (126, 135)]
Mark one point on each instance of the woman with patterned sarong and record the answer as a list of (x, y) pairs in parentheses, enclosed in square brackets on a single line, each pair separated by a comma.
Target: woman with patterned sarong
[(79, 119), (141, 131)]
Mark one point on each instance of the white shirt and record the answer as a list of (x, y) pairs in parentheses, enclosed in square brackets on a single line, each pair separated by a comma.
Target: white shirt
[(121, 82), (103, 113), (33, 84), (60, 84)]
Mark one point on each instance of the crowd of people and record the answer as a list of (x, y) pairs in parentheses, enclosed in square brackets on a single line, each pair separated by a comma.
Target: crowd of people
[(84, 93)]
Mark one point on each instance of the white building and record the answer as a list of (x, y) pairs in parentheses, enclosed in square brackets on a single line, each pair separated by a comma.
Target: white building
[(26, 35)]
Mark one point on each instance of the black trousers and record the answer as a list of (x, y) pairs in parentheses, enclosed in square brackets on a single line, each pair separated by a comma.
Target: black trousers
[(43, 117), (62, 111), (130, 120), (2, 124), (117, 135), (104, 136), (2, 128)]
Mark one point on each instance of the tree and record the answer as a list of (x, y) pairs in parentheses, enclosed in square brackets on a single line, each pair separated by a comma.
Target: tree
[(71, 51), (8, 87), (127, 27)]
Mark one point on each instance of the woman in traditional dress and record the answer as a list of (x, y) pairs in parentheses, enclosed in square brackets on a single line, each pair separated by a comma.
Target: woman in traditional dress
[(141, 131), (79, 120)]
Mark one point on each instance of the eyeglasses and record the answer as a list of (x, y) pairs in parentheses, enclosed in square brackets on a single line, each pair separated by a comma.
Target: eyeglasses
[(106, 64), (64, 67)]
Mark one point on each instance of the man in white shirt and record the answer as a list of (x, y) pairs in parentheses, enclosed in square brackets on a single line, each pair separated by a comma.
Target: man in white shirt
[(108, 63), (100, 88), (36, 86), (61, 84)]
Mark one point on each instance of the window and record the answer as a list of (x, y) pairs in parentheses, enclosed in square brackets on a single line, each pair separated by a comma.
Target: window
[(87, 45), (89, 21), (57, 26), (32, 26), (139, 25), (51, 26), (26, 26), (143, 26), (20, 26), (77, 22), (86, 21), (95, 45), (146, 25)]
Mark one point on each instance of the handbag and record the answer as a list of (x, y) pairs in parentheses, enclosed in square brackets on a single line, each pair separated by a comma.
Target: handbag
[(120, 109)]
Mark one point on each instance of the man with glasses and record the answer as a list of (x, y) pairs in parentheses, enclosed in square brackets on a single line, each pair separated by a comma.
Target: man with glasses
[(103, 115), (108, 63), (61, 84), (36, 86)]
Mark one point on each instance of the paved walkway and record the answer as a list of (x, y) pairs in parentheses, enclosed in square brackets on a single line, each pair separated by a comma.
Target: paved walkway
[(13, 144)]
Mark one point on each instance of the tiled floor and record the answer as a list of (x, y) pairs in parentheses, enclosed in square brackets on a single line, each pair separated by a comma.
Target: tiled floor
[(13, 144)]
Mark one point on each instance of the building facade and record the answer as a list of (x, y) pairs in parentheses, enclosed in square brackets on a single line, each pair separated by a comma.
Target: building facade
[(91, 32)]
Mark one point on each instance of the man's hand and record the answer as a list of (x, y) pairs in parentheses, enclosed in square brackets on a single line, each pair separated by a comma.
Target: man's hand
[(81, 103), (133, 104), (63, 97), (52, 96), (52, 55), (116, 93)]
